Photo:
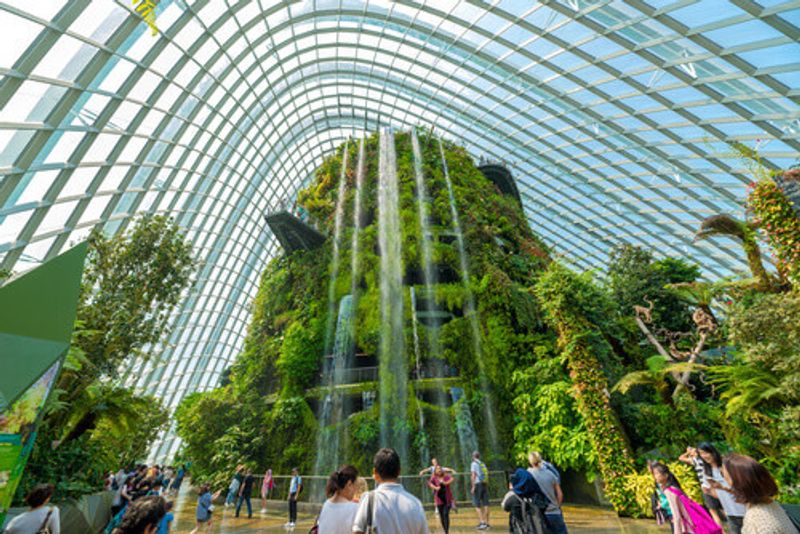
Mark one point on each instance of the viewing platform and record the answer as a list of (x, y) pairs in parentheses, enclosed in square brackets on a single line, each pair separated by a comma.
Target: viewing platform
[(498, 173), (293, 227)]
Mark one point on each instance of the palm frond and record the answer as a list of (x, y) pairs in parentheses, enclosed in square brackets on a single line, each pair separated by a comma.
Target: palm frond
[(721, 225)]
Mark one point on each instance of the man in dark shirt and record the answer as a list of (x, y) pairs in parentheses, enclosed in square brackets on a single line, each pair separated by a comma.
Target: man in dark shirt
[(245, 492)]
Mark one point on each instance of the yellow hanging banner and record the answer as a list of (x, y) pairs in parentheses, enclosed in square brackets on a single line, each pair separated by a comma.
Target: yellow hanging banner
[(147, 10)]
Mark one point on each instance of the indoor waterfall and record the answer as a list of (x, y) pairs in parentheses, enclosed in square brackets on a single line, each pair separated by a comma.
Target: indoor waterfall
[(430, 280), (354, 266), (467, 437), (337, 232), (424, 442), (330, 412), (471, 312), (392, 361)]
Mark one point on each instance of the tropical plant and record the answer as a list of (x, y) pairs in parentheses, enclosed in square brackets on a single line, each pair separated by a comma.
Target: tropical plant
[(656, 375), (774, 213), (562, 295), (132, 282), (726, 225), (635, 278)]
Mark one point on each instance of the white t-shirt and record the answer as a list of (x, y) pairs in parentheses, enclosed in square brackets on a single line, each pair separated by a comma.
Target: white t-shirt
[(479, 469), (337, 517), (726, 498), (32, 521), (395, 511)]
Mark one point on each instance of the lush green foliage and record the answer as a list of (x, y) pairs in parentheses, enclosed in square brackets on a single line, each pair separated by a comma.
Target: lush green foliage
[(553, 343), (761, 386), (774, 214), (131, 284), (570, 304), (285, 344), (641, 486), (635, 277)]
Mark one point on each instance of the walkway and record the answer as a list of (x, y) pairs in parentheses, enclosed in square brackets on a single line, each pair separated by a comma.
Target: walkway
[(580, 519)]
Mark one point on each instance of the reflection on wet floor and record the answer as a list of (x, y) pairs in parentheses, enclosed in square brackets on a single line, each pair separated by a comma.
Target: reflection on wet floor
[(580, 519)]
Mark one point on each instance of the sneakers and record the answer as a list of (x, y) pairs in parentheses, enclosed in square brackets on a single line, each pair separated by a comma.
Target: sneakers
[(483, 526), (263, 510)]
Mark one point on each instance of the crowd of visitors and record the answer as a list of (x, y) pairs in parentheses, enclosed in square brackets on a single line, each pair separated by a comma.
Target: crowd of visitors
[(738, 493), (154, 486)]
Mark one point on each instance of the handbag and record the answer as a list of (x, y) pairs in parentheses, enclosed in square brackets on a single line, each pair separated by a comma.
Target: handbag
[(45, 528), (315, 528)]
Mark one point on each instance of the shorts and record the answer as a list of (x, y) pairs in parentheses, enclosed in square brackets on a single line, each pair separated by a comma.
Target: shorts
[(711, 502), (480, 496)]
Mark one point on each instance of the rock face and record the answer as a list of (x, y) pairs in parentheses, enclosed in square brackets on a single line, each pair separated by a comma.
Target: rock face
[(421, 361)]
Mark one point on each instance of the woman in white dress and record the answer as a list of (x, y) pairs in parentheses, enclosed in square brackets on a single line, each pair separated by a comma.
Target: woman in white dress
[(339, 510)]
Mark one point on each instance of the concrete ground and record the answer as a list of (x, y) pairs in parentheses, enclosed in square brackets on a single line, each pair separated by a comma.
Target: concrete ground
[(579, 519)]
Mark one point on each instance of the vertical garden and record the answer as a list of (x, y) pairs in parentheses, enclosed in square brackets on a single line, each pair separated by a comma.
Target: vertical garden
[(502, 348)]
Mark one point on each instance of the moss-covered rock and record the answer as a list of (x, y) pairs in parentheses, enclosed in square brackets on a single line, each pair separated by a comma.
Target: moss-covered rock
[(284, 351)]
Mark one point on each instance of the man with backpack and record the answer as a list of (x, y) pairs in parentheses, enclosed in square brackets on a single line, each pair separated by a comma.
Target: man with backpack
[(295, 489), (525, 503), (479, 487)]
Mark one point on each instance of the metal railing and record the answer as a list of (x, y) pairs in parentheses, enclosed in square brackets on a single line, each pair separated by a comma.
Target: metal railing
[(293, 208), (357, 375), (314, 486)]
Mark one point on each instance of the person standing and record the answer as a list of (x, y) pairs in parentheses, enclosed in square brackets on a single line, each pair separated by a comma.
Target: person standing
[(688, 517), (205, 509), (295, 489), (440, 483), (175, 486), (233, 488), (525, 503), (167, 476), (551, 487), (339, 511), (389, 508), (704, 459), (479, 482), (266, 490), (754, 486), (40, 516), (245, 492), (166, 522)]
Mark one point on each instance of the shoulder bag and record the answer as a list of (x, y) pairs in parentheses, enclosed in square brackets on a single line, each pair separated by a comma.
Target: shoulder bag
[(45, 528), (371, 529)]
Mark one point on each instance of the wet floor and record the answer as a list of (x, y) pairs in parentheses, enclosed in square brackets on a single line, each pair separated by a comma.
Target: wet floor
[(579, 519)]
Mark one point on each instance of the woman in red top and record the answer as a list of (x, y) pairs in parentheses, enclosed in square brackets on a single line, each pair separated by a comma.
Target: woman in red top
[(266, 490), (442, 495)]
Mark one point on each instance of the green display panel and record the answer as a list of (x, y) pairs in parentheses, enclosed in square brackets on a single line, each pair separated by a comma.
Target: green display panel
[(18, 433), (37, 315)]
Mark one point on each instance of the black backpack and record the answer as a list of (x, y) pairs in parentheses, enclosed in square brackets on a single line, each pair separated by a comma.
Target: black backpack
[(530, 518)]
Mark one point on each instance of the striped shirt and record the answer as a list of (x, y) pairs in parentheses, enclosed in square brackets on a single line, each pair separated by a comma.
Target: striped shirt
[(700, 470)]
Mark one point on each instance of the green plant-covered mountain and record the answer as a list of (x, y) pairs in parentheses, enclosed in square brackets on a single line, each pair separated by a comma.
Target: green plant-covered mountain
[(434, 320)]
